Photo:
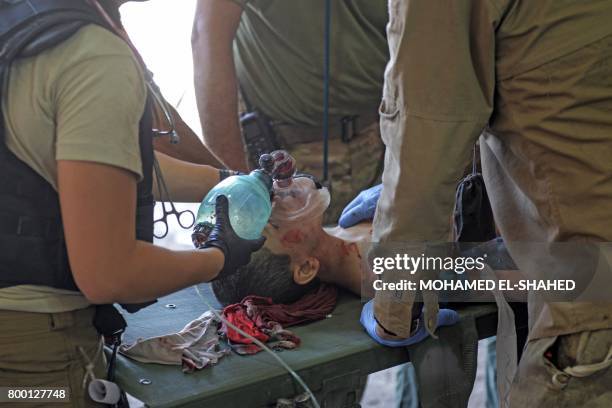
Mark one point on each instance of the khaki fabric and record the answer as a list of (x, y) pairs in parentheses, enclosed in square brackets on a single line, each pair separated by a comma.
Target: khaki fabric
[(278, 53), (535, 77), (33, 298), (42, 350), (581, 375), (548, 173), (81, 100)]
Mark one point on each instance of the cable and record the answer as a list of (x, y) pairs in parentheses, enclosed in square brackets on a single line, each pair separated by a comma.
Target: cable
[(326, 80), (264, 347)]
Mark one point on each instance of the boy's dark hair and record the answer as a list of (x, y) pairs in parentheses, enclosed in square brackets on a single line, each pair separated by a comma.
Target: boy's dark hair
[(267, 275)]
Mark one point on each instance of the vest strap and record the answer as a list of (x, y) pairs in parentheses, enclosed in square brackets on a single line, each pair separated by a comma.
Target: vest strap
[(28, 226)]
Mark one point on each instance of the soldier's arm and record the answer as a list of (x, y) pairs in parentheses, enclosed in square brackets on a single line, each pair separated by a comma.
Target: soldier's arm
[(98, 99), (190, 149), (430, 120), (108, 262), (214, 29), (186, 182)]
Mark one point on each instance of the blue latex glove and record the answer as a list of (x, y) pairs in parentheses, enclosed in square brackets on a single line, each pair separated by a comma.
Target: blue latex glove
[(446, 317), (361, 208)]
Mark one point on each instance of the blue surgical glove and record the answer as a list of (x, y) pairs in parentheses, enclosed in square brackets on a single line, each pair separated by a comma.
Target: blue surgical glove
[(446, 317), (361, 208)]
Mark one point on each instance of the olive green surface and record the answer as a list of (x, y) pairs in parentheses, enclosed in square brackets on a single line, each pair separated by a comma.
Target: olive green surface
[(335, 353)]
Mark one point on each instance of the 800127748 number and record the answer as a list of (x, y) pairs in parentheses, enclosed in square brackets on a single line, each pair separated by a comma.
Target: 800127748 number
[(39, 394)]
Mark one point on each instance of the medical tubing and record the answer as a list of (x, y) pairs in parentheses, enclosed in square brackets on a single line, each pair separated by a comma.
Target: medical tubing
[(264, 347), (326, 80)]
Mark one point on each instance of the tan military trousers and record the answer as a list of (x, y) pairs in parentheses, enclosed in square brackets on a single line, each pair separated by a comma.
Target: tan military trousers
[(545, 158), (48, 350), (541, 192), (566, 372)]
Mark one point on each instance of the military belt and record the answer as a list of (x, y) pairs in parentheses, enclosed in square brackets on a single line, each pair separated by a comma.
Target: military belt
[(345, 129)]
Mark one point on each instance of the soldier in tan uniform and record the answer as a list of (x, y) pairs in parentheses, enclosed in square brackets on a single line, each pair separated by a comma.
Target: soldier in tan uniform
[(272, 52), (71, 139), (534, 78)]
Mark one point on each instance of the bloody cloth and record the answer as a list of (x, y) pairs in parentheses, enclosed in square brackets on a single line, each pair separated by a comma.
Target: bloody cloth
[(266, 321), (237, 315)]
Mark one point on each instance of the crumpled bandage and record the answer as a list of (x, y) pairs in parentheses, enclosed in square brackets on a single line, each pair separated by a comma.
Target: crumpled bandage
[(194, 347)]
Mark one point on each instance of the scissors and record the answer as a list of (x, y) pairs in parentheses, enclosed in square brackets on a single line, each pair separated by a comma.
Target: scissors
[(161, 103), (185, 218)]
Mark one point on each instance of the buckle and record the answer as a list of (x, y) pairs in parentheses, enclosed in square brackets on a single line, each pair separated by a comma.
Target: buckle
[(20, 223), (349, 128)]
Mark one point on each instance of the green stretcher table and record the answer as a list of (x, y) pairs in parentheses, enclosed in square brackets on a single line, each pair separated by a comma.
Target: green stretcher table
[(334, 359)]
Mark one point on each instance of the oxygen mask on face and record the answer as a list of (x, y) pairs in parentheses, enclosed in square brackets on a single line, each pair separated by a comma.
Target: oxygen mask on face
[(299, 200), (248, 198)]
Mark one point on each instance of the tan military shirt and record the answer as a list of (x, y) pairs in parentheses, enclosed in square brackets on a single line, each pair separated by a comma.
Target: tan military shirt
[(536, 78), (80, 100), (278, 54)]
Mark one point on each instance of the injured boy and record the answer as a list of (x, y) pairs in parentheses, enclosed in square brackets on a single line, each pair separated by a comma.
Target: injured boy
[(299, 252)]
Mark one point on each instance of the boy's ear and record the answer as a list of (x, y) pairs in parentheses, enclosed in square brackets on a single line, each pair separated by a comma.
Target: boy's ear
[(306, 270)]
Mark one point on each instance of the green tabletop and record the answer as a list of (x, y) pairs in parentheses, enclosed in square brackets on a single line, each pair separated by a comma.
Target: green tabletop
[(335, 353)]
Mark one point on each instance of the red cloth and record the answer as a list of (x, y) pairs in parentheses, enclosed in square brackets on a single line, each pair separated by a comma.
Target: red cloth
[(236, 314), (261, 318)]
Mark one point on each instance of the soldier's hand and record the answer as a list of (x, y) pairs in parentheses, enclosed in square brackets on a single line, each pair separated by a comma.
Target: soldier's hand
[(446, 317), (362, 207), (237, 251)]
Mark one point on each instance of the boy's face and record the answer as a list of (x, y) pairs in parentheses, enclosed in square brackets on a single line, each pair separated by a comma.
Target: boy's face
[(296, 222)]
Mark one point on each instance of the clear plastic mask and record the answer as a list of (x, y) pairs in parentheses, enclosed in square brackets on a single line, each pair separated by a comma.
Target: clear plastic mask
[(300, 200)]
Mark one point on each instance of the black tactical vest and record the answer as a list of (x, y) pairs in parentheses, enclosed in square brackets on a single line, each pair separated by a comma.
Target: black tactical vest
[(32, 243)]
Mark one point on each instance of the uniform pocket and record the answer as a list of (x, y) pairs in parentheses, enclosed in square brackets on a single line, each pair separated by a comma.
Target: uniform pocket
[(388, 108), (389, 119), (547, 356), (579, 355), (586, 353)]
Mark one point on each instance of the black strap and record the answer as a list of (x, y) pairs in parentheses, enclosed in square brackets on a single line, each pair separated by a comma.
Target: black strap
[(26, 26), (19, 188), (316, 182), (115, 343), (12, 12), (16, 8), (326, 84)]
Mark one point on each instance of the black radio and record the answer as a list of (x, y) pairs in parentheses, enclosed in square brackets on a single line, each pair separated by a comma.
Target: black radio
[(259, 137)]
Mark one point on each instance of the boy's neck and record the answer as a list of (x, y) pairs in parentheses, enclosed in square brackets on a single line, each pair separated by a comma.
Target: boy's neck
[(341, 253)]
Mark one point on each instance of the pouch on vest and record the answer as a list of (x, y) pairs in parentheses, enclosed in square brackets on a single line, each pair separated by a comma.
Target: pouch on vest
[(473, 217)]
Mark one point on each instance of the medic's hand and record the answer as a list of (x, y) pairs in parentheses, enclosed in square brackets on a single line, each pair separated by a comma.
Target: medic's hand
[(446, 317), (237, 251), (361, 208)]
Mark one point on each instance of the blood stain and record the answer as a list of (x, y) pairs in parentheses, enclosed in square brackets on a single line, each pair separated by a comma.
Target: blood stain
[(293, 237)]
